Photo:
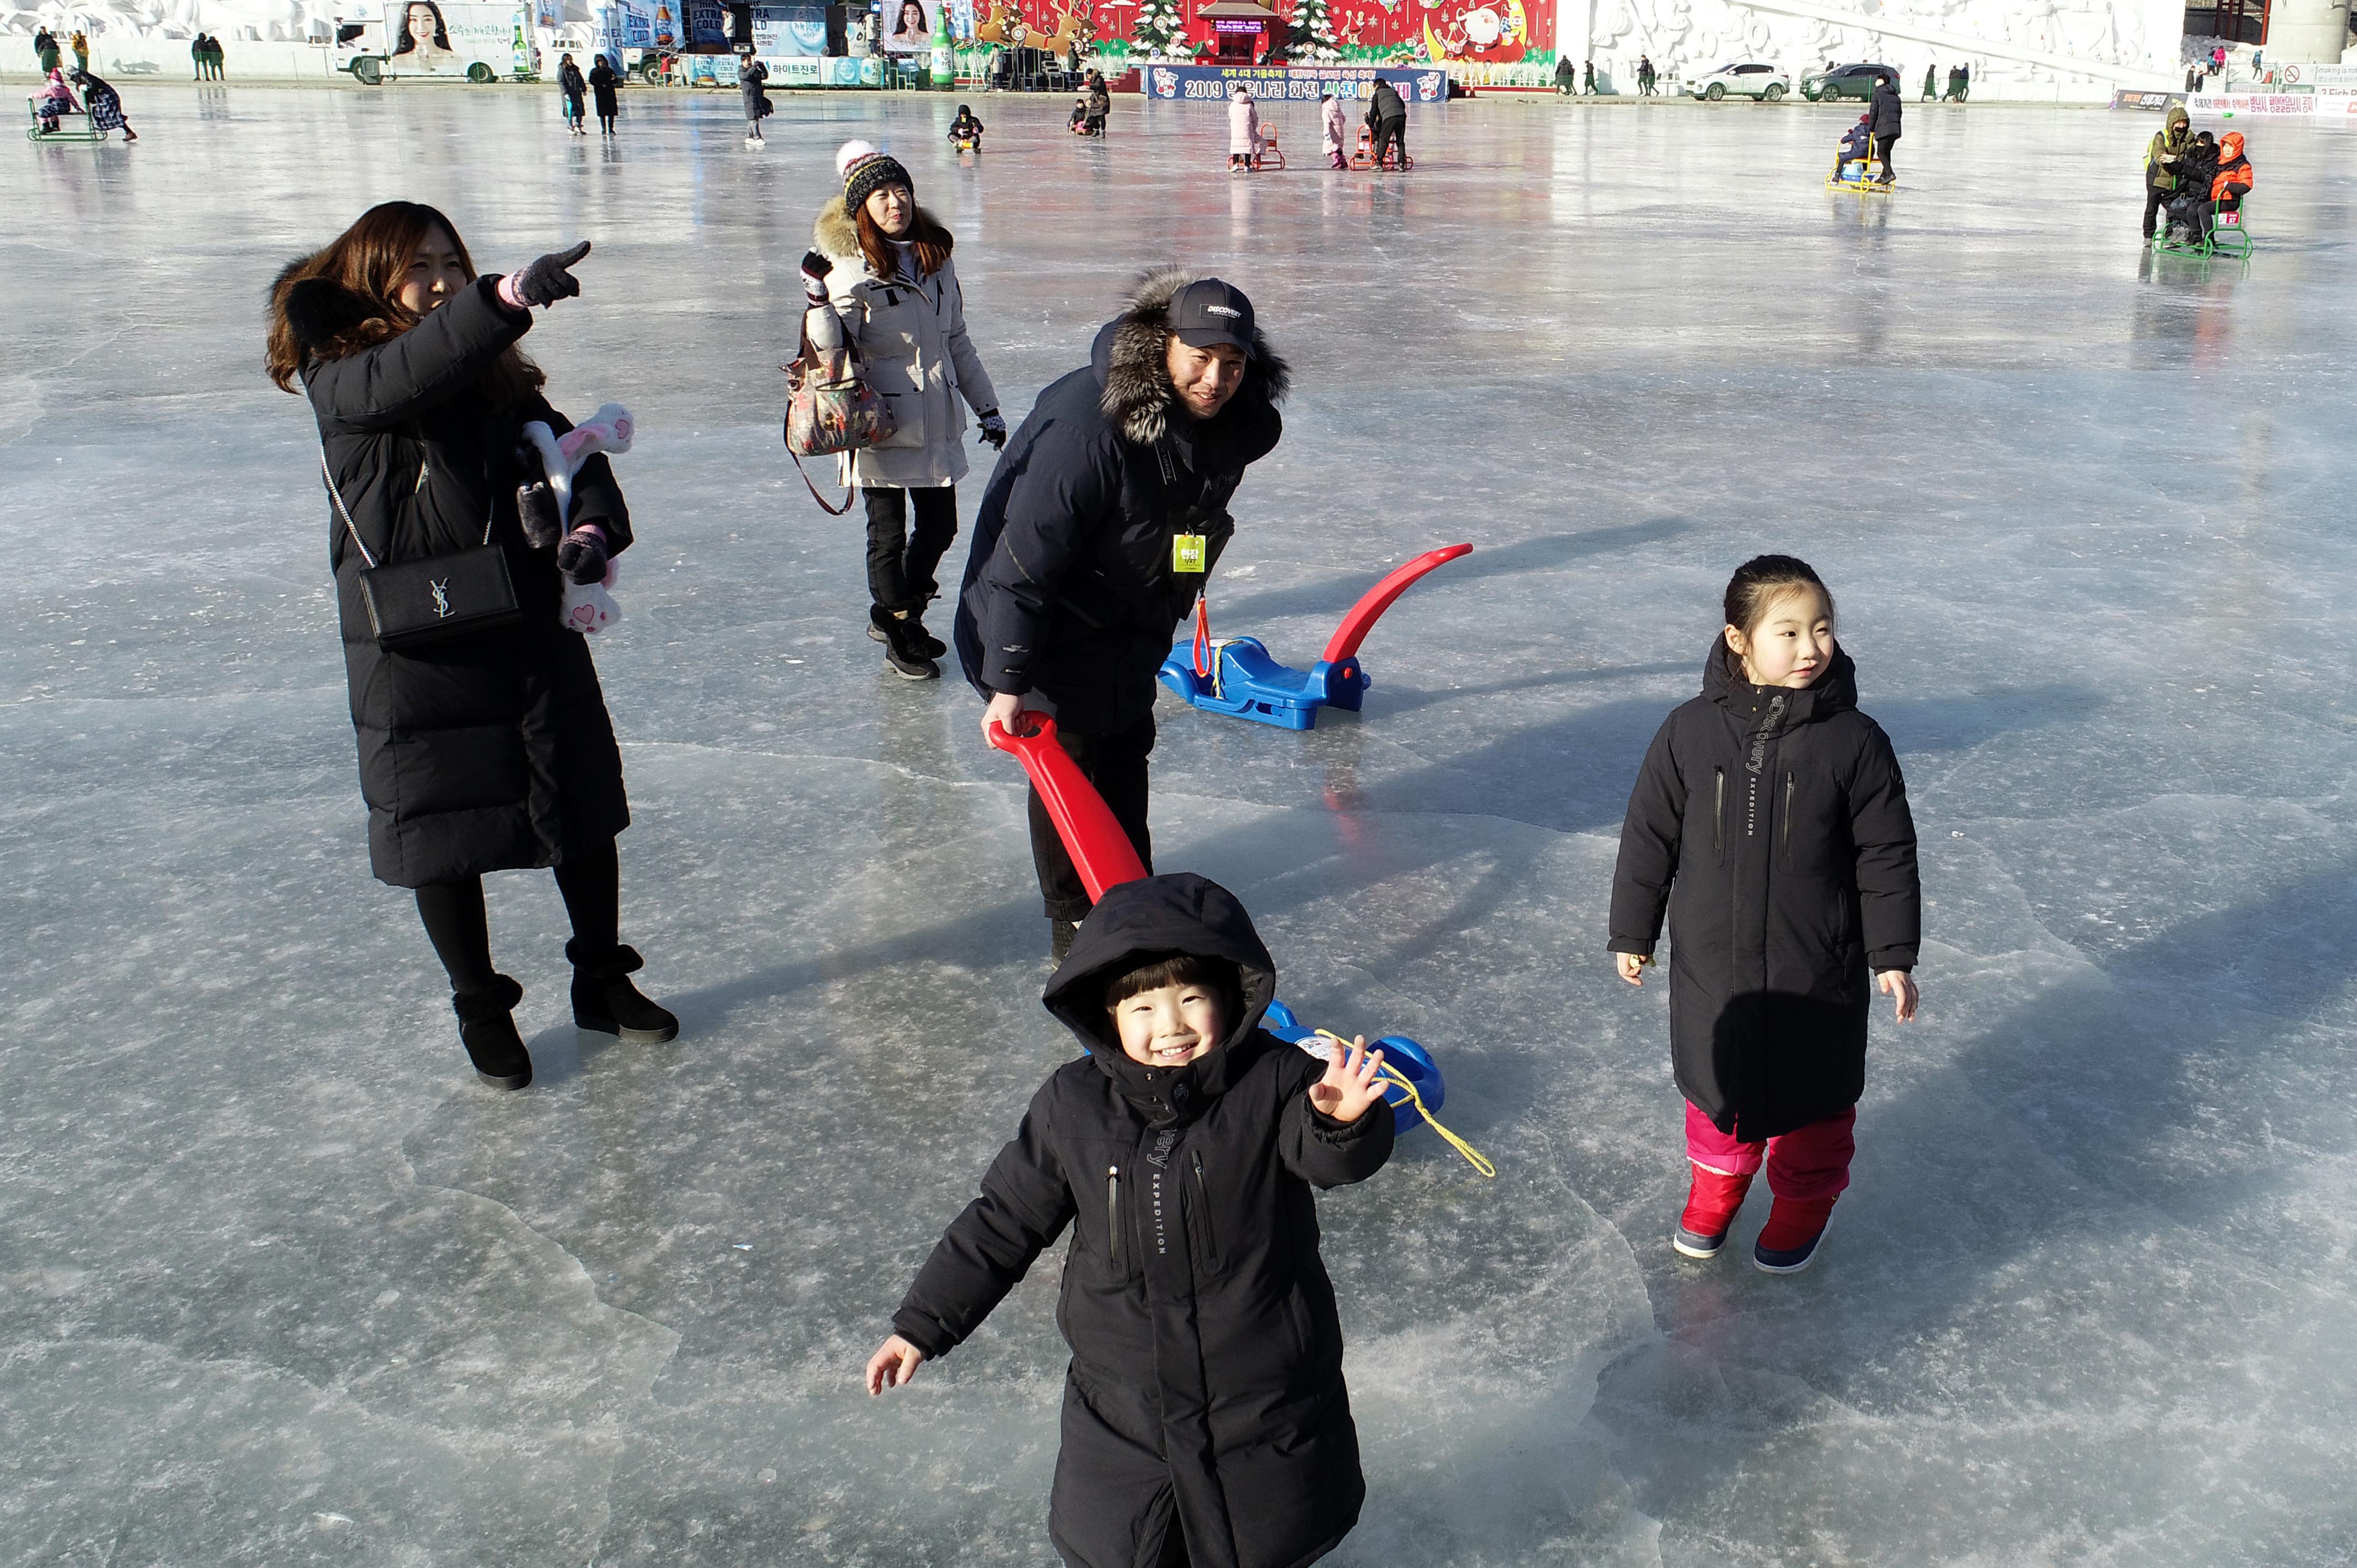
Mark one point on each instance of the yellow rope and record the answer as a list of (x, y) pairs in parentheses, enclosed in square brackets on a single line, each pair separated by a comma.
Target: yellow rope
[(1473, 1156)]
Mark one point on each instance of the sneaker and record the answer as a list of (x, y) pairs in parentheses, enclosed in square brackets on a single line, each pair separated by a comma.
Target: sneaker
[(1790, 1241), (1711, 1203)]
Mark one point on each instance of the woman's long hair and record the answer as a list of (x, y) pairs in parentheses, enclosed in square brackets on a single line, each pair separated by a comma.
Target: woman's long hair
[(368, 261), (933, 242)]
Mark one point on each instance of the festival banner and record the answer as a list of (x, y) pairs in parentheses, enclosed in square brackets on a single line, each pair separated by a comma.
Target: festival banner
[(1209, 83)]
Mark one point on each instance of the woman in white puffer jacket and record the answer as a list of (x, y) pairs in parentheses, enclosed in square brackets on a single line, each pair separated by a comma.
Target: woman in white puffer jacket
[(881, 269)]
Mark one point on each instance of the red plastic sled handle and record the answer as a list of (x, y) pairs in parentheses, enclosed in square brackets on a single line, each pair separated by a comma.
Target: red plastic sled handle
[(1101, 851), (1368, 610)]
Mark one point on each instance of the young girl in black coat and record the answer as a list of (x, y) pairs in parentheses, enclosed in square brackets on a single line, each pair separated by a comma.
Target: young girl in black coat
[(490, 749), (1205, 1424), (1769, 822)]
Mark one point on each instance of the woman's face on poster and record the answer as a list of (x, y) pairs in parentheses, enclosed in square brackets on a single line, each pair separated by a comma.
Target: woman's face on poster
[(912, 17)]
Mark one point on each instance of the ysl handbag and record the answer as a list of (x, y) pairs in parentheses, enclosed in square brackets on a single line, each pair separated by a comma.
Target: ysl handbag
[(830, 407), (412, 603)]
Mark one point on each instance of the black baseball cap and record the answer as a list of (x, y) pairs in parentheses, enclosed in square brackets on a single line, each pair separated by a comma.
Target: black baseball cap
[(1207, 311)]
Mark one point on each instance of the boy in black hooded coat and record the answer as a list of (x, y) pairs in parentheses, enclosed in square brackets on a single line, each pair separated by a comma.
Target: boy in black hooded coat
[(1205, 1419)]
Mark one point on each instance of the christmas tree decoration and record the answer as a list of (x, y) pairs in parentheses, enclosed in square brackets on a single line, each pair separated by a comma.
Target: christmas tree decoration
[(1162, 31), (1310, 38)]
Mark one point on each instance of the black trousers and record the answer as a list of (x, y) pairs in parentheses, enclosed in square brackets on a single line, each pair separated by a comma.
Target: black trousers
[(900, 560), (591, 881), (1115, 764), (1390, 133), (1882, 145), (2155, 201)]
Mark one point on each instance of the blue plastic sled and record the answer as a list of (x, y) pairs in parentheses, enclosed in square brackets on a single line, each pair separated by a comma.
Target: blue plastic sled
[(1413, 1062), (1242, 678)]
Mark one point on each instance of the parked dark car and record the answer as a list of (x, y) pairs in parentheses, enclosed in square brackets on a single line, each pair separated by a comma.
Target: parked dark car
[(1847, 81)]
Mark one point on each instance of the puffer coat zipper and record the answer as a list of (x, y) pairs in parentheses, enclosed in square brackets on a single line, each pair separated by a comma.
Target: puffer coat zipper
[(1112, 1216), (1203, 1212)]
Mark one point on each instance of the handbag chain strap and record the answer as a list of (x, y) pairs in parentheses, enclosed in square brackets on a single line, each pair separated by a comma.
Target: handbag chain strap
[(491, 513)]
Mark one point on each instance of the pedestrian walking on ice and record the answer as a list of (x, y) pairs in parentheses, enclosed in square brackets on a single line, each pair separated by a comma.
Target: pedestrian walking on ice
[(879, 275), (1886, 111), (602, 85), (574, 89), (1244, 131), (1770, 826), (489, 749), (1334, 129), (1104, 520), (104, 104), (1387, 113), (752, 78)]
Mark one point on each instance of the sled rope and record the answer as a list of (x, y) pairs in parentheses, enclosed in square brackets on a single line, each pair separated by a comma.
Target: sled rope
[(1207, 646), (1473, 1156)]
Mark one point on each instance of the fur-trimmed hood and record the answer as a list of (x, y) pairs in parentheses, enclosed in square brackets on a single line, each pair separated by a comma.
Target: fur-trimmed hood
[(837, 237), (321, 313), (1138, 401)]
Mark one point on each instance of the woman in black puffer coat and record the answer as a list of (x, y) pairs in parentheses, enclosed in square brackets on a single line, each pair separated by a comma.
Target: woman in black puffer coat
[(492, 750), (1770, 823), (1206, 1423)]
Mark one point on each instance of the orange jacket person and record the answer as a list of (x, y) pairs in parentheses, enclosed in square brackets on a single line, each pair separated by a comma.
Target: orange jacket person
[(2234, 177)]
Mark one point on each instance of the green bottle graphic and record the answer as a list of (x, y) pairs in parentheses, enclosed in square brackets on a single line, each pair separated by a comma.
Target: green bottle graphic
[(945, 55)]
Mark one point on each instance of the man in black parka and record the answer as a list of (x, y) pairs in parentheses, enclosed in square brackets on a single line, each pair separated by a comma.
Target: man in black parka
[(1772, 827), (1885, 110), (1103, 521), (1387, 115), (1205, 1419)]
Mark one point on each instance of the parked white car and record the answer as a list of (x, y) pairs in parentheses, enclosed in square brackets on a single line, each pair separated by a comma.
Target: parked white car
[(1745, 77)]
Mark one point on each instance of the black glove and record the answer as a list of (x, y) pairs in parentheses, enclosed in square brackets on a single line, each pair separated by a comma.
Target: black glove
[(814, 270), (581, 556), (994, 429), (536, 510), (547, 279)]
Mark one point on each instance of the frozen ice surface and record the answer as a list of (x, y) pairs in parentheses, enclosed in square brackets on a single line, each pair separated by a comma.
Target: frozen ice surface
[(280, 1283)]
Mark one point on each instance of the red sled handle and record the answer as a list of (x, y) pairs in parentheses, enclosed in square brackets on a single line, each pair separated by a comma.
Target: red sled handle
[(1093, 836), (1379, 599)]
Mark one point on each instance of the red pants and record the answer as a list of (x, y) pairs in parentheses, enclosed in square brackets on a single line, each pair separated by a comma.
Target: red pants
[(1805, 1163)]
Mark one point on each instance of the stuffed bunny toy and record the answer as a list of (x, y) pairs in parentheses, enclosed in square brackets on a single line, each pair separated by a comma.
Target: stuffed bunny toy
[(544, 510)]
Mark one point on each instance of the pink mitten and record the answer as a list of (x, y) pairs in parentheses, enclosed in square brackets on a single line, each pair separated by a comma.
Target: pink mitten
[(588, 608)]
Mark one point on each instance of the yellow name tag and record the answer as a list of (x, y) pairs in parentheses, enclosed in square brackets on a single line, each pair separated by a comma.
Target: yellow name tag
[(1188, 551)]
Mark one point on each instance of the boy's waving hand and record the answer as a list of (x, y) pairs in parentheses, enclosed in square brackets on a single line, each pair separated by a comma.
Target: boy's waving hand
[(1351, 1084)]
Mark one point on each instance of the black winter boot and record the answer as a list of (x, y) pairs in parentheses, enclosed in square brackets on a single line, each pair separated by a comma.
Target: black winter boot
[(486, 1028), (606, 1003), (904, 653), (929, 645), (1060, 938)]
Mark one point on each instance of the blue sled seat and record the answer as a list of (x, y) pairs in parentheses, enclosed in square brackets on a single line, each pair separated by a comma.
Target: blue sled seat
[(1250, 685)]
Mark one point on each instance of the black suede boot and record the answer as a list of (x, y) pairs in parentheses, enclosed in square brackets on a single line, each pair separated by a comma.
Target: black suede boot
[(486, 1028), (925, 642), (932, 647), (1060, 938), (606, 1003), (904, 652)]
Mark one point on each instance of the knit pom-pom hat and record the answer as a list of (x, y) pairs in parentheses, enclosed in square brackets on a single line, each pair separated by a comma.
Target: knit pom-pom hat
[(867, 169)]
